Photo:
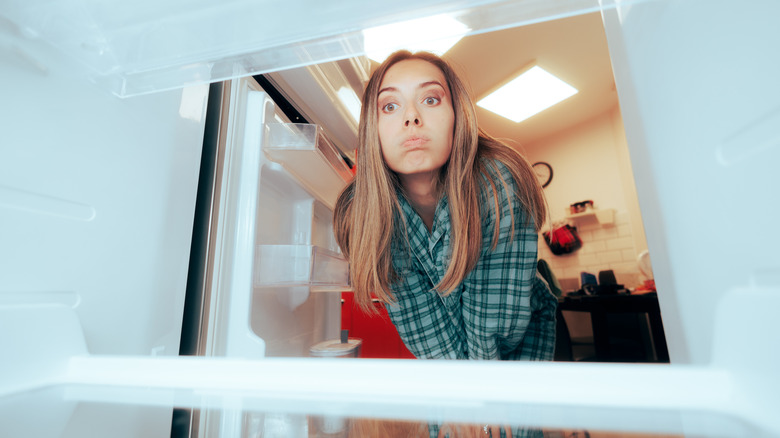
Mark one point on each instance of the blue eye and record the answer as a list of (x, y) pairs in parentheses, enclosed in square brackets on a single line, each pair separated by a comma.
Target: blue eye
[(390, 107), (431, 100)]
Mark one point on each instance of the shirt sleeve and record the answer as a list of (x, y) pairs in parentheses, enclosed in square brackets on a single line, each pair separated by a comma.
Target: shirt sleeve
[(508, 312)]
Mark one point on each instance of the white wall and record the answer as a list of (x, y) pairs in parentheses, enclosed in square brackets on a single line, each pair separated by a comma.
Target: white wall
[(590, 162), (97, 199)]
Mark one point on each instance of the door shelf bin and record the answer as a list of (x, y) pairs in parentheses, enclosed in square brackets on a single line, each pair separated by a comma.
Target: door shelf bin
[(305, 152), (299, 265)]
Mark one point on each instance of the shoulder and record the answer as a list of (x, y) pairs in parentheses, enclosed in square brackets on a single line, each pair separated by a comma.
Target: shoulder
[(504, 216), (497, 184), (493, 166)]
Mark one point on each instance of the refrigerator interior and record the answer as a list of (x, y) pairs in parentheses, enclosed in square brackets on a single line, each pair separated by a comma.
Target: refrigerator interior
[(97, 196)]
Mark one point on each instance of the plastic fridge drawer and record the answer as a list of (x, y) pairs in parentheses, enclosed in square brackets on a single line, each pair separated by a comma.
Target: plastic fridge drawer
[(306, 153)]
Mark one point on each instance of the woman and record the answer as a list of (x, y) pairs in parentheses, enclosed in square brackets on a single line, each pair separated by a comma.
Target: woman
[(441, 220)]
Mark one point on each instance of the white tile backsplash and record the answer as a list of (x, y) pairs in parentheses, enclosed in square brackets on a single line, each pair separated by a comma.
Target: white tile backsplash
[(603, 247), (626, 267), (605, 258), (605, 233), (588, 260), (596, 246), (571, 273), (620, 243)]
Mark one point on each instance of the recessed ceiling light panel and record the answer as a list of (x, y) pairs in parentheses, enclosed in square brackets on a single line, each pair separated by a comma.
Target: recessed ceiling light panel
[(528, 94)]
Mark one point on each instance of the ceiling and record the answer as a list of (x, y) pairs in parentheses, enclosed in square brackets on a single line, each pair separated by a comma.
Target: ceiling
[(574, 49)]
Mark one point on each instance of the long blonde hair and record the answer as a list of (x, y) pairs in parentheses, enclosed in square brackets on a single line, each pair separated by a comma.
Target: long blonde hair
[(364, 215)]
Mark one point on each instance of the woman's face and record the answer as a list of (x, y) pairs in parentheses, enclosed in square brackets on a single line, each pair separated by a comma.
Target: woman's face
[(415, 118)]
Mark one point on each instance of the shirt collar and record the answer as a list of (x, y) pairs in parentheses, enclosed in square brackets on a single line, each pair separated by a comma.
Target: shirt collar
[(418, 232)]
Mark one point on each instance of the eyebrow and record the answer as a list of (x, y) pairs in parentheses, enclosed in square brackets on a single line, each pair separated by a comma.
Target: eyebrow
[(422, 85)]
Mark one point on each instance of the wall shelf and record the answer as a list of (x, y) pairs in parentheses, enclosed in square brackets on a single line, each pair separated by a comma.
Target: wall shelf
[(604, 217)]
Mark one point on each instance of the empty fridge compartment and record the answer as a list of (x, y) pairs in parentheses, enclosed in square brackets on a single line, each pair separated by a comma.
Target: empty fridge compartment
[(300, 265), (306, 153)]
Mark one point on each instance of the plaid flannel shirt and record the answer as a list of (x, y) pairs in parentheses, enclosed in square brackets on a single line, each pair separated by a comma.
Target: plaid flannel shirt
[(501, 310)]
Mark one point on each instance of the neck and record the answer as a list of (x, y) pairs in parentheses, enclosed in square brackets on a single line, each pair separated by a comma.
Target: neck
[(422, 195)]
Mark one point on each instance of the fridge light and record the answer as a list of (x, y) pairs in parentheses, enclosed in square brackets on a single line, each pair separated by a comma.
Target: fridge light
[(435, 34)]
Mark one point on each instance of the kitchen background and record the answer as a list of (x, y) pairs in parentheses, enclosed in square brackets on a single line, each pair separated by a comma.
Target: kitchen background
[(590, 162), (582, 138)]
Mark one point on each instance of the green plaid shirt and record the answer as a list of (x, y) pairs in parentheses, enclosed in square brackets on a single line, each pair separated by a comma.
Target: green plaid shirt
[(501, 310)]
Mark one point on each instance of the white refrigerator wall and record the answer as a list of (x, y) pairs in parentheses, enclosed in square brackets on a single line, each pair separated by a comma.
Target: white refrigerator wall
[(97, 196)]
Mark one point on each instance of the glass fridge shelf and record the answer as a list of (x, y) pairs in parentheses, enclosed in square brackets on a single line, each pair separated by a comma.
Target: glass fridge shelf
[(300, 265)]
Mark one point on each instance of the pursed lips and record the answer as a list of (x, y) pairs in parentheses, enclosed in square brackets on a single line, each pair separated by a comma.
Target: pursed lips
[(414, 142)]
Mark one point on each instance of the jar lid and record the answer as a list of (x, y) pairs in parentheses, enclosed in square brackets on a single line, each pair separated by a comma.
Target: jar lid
[(335, 348)]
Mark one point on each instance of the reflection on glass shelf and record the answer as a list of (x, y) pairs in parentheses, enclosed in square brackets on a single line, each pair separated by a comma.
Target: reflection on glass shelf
[(300, 265), (87, 411)]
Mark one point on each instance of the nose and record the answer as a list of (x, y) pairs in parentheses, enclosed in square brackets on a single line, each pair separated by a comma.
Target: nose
[(412, 117)]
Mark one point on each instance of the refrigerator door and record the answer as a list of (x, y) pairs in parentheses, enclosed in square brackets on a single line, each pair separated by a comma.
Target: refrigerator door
[(275, 273), (276, 270)]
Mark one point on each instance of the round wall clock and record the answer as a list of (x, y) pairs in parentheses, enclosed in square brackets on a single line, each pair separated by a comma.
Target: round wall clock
[(544, 172)]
